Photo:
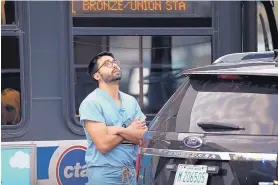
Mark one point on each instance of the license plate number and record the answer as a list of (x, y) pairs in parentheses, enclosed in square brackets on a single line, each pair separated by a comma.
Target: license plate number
[(191, 175)]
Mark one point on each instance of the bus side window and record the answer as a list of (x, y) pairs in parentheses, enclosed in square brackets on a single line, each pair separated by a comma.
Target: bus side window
[(10, 81)]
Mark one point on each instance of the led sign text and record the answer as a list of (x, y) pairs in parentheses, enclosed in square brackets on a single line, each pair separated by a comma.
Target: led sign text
[(129, 6)]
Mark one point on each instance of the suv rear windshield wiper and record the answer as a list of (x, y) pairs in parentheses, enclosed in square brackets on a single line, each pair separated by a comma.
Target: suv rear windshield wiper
[(208, 126)]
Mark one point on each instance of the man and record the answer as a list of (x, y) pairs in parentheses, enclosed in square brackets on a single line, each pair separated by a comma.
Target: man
[(114, 125)]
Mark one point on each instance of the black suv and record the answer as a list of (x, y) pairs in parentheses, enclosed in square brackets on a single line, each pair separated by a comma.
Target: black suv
[(219, 128)]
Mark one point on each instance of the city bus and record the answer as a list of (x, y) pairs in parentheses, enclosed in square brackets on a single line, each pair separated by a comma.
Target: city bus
[(46, 47)]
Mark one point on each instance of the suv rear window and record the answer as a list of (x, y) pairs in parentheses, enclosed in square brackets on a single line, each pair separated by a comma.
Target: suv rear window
[(248, 102)]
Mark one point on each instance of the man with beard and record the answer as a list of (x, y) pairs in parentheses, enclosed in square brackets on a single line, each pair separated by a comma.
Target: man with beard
[(114, 126)]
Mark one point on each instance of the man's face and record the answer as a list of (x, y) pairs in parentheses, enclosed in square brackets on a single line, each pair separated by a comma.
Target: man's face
[(109, 70)]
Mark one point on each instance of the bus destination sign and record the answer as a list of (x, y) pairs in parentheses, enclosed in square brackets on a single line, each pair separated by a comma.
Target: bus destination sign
[(134, 8)]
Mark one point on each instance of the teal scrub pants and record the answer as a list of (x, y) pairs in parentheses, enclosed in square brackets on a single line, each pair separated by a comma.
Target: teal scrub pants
[(111, 176)]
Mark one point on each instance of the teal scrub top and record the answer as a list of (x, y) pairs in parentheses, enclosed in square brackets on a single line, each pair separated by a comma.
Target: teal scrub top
[(100, 107)]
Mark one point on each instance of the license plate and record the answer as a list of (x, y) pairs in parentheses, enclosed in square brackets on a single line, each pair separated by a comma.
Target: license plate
[(191, 175)]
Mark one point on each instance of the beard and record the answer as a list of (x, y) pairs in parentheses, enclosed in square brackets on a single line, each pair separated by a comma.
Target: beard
[(116, 76)]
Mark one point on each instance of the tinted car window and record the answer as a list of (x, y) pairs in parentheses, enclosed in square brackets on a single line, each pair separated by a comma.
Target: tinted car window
[(250, 102)]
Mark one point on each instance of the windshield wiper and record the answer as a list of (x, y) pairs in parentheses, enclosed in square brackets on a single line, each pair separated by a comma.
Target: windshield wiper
[(207, 126)]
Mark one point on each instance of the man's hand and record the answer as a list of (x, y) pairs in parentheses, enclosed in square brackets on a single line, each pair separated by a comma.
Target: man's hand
[(135, 131), (133, 127), (137, 124)]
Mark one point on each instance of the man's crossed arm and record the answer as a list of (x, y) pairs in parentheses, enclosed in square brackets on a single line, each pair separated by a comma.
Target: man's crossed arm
[(133, 133), (98, 133), (108, 137)]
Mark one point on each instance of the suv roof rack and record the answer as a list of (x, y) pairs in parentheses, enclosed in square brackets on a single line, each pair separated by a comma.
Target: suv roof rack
[(248, 56)]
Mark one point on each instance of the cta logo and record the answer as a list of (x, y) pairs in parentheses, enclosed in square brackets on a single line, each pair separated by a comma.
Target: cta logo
[(71, 167)]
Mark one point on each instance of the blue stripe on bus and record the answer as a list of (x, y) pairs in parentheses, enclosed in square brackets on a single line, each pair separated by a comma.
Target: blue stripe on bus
[(44, 155)]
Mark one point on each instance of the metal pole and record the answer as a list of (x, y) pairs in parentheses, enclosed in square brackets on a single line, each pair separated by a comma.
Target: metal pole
[(141, 103), (107, 43)]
